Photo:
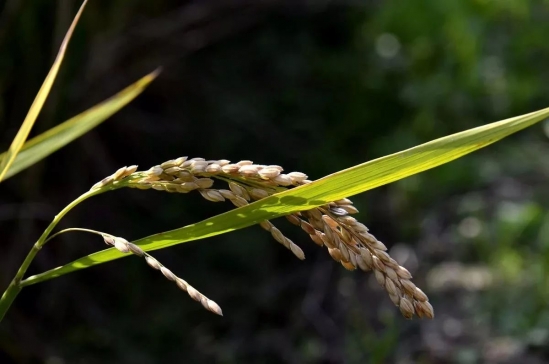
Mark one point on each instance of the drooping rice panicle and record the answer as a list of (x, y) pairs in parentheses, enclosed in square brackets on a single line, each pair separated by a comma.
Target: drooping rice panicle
[(348, 241)]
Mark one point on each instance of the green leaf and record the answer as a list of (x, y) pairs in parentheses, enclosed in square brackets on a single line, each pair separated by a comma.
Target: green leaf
[(342, 184), (38, 102), (57, 137)]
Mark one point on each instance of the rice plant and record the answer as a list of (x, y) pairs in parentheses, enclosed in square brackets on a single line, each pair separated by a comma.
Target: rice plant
[(260, 193)]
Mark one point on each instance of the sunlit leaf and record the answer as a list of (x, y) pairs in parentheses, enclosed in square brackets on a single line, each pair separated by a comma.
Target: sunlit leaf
[(342, 184), (38, 102), (48, 142)]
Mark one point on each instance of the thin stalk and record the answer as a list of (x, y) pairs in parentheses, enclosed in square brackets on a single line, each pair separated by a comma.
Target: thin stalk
[(73, 229), (15, 287)]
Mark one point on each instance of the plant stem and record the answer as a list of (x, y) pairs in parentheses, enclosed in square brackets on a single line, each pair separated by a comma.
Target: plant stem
[(14, 288)]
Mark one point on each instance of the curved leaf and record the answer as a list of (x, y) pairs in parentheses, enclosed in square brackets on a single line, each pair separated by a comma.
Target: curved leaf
[(38, 102), (342, 184), (57, 137)]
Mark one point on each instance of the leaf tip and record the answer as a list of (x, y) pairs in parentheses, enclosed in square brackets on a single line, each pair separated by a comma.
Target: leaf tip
[(156, 72)]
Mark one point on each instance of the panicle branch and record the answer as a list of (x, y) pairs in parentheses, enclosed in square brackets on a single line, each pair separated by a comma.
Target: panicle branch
[(126, 247)]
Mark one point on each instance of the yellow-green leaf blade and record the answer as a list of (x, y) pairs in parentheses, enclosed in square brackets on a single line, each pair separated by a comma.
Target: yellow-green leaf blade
[(345, 183), (57, 137), (38, 102)]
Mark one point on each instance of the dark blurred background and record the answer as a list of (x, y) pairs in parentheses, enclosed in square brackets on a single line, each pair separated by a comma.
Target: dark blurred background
[(315, 86)]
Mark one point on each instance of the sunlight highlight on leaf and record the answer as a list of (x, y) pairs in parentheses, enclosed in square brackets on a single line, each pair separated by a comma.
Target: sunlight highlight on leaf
[(38, 102), (57, 137)]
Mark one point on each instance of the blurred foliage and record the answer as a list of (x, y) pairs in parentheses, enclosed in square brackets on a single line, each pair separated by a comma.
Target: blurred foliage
[(313, 86)]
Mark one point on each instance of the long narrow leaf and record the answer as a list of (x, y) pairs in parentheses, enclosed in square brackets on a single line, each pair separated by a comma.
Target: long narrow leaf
[(345, 183), (57, 137), (38, 102)]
